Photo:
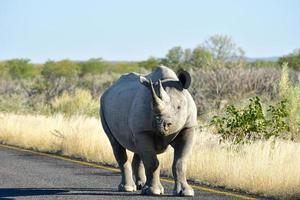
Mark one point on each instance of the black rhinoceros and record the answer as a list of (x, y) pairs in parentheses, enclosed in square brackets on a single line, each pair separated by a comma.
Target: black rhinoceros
[(145, 115)]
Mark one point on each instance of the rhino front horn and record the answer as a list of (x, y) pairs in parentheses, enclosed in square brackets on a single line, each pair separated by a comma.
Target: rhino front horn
[(158, 104)]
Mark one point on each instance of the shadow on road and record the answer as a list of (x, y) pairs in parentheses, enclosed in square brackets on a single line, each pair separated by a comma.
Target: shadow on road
[(6, 193)]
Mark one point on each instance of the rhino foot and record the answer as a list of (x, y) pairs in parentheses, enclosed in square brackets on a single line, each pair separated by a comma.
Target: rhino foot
[(188, 191), (126, 188), (152, 190), (140, 185)]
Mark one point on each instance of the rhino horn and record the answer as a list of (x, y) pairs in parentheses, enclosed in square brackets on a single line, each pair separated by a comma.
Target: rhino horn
[(163, 94), (158, 104)]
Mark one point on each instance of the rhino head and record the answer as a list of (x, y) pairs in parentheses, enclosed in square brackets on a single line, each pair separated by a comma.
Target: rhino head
[(169, 103)]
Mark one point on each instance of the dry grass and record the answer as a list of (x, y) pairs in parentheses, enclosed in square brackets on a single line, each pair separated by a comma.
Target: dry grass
[(269, 168)]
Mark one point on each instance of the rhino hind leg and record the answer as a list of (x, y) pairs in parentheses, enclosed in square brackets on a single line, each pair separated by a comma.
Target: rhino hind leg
[(127, 184), (138, 171)]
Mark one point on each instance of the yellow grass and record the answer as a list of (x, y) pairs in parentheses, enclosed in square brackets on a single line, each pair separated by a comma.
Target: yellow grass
[(269, 168)]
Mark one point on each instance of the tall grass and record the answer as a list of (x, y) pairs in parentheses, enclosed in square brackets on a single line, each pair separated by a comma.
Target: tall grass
[(291, 92), (81, 103), (265, 167)]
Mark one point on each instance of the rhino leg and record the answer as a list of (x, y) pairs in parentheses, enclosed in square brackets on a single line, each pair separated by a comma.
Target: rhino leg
[(147, 153), (139, 171), (182, 148), (127, 184)]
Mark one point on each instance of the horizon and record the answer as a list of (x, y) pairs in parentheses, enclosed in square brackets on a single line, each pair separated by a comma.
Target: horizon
[(134, 30)]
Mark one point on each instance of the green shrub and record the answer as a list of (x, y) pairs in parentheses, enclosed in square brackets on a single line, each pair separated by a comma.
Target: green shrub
[(63, 68), (150, 64), (93, 66), (293, 59), (21, 69), (124, 67), (3, 70), (251, 123)]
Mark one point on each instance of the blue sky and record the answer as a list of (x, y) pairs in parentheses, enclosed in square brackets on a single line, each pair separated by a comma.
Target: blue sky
[(136, 29)]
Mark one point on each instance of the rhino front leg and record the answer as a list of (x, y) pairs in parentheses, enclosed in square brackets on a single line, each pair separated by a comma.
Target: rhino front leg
[(147, 153), (152, 185), (182, 148), (139, 171)]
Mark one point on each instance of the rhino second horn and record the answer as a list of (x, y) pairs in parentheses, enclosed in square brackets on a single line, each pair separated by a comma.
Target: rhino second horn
[(164, 96), (158, 104)]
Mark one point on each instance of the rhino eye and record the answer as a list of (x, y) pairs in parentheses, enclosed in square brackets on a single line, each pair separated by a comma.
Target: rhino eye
[(178, 107)]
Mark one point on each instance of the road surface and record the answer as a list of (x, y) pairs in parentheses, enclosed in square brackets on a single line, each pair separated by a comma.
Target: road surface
[(27, 175)]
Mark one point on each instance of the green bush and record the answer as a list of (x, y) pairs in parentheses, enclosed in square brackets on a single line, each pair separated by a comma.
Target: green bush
[(21, 69), (3, 70), (124, 67), (150, 64), (251, 123), (63, 68), (293, 59), (93, 66)]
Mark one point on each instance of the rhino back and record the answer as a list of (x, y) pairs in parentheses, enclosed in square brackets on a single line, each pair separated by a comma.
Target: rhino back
[(162, 73)]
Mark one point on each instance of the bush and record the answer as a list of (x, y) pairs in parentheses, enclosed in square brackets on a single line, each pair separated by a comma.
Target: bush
[(3, 70), (293, 59), (13, 103), (59, 77), (251, 123), (211, 89), (124, 67), (150, 64), (96, 84), (21, 69), (63, 68), (93, 66)]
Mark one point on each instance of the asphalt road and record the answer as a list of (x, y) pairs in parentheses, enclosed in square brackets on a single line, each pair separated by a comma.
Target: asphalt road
[(26, 175)]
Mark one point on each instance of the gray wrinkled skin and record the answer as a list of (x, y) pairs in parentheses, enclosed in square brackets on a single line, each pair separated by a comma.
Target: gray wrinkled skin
[(145, 115)]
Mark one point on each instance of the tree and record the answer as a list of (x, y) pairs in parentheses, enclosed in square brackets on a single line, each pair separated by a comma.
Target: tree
[(187, 56), (223, 49), (293, 59), (174, 57), (201, 58)]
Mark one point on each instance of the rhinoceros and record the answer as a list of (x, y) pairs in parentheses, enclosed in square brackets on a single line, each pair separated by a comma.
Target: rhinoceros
[(146, 114)]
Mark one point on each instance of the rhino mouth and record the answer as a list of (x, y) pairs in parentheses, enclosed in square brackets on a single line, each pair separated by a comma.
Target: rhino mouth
[(161, 130), (161, 133), (162, 127)]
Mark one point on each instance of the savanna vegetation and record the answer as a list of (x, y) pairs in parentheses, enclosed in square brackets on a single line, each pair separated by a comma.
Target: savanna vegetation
[(249, 112)]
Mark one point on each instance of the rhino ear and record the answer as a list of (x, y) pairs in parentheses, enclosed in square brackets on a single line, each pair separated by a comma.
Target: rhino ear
[(145, 81), (184, 78)]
